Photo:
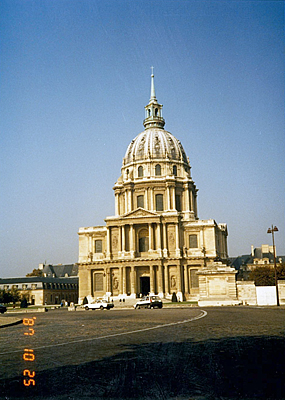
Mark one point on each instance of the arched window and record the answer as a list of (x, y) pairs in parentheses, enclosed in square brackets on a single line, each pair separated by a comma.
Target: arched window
[(143, 241), (140, 201), (159, 202), (157, 170), (149, 112), (156, 112), (140, 171), (174, 170)]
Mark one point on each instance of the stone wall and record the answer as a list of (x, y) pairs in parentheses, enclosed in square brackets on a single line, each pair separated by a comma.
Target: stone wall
[(246, 292), (281, 288)]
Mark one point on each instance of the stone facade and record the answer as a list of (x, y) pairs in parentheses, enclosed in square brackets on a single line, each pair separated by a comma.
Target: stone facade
[(155, 242)]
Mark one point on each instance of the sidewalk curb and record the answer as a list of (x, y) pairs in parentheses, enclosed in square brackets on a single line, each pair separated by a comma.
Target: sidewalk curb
[(13, 321)]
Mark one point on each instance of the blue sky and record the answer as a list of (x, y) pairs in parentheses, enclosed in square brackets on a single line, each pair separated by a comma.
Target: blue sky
[(75, 77)]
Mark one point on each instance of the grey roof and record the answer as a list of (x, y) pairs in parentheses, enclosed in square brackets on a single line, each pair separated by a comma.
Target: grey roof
[(34, 279), (60, 270)]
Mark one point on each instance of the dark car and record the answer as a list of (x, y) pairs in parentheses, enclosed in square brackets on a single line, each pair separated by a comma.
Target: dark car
[(2, 309), (149, 302)]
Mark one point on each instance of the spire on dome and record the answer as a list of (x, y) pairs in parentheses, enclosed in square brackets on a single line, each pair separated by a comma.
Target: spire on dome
[(152, 90), (153, 111)]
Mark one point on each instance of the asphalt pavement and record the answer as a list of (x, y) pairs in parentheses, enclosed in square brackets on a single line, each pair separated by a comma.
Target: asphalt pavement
[(173, 353)]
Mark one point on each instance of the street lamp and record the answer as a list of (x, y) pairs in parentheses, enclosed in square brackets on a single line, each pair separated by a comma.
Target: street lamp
[(272, 230)]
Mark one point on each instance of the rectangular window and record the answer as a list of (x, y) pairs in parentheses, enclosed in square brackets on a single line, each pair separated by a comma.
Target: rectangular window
[(178, 202), (193, 241), (98, 246), (98, 282), (194, 281), (140, 201), (159, 202)]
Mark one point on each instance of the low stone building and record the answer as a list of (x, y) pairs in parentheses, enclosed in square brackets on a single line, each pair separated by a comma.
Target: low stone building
[(57, 283)]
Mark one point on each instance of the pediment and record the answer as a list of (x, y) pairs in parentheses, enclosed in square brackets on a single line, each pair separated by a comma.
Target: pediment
[(140, 212)]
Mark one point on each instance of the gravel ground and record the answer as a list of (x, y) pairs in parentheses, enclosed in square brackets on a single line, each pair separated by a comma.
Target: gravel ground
[(231, 353)]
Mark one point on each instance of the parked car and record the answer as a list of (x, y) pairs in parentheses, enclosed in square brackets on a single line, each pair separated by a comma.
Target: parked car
[(2, 308), (99, 305), (149, 302)]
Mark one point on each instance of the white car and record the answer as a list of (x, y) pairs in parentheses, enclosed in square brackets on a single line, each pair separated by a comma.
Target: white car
[(99, 305), (149, 302)]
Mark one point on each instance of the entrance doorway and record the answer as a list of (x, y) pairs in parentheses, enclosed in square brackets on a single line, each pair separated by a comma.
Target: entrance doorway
[(144, 285)]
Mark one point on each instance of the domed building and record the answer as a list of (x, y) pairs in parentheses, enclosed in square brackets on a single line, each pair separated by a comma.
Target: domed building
[(155, 242)]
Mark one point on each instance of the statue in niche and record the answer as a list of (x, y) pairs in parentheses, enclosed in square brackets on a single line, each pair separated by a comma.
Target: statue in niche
[(115, 283), (173, 281)]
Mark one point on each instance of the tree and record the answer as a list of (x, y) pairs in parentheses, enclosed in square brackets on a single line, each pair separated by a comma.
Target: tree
[(9, 296), (265, 276), (15, 295), (5, 297), (36, 272)]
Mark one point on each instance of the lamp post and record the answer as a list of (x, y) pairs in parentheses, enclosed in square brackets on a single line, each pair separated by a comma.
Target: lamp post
[(272, 230)]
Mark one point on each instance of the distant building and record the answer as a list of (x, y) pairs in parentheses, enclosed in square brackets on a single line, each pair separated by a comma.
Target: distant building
[(59, 270), (259, 257), (155, 242), (58, 282)]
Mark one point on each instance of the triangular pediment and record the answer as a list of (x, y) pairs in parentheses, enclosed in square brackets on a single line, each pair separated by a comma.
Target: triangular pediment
[(140, 212)]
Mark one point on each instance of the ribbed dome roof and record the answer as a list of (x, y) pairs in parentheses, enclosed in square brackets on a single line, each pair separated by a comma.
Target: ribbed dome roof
[(155, 143)]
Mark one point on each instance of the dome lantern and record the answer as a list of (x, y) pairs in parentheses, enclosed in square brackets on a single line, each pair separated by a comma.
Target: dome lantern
[(153, 111)]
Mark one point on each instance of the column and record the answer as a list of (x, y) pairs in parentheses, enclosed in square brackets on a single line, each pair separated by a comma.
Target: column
[(187, 198), (179, 288), (166, 280), (151, 275), (117, 204), (129, 200), (146, 199), (120, 241), (168, 197), (186, 282), (108, 255), (160, 280), (173, 198), (123, 240), (132, 240), (105, 280), (150, 237), (178, 252), (89, 244), (191, 201), (158, 239), (151, 199), (124, 280), (121, 281), (126, 201), (164, 240), (133, 281), (108, 280)]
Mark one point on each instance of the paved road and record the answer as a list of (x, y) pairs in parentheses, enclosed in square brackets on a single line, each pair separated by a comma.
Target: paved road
[(214, 353)]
